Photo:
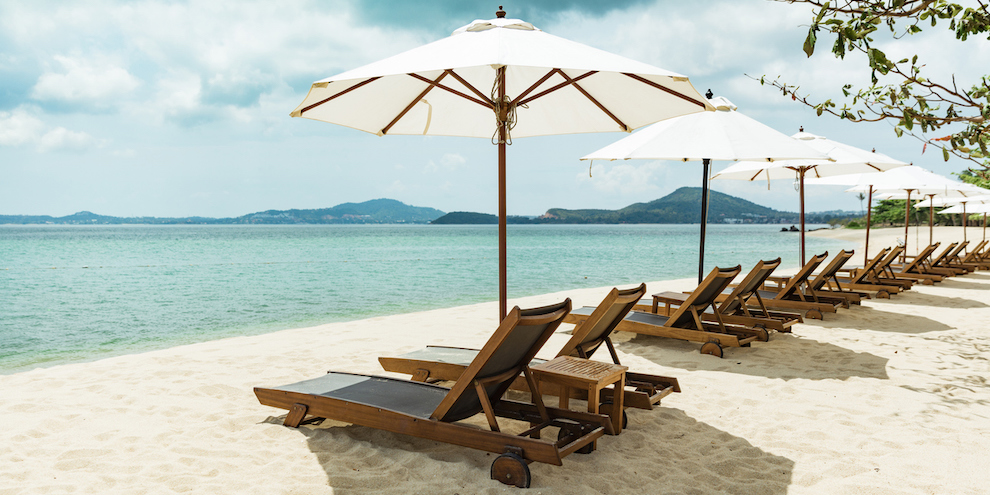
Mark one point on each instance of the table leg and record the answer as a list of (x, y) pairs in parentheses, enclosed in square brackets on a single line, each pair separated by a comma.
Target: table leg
[(565, 397), (617, 403)]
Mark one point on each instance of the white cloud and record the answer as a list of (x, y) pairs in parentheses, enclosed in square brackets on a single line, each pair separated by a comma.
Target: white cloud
[(624, 178), (61, 138), (20, 127), (84, 81), (449, 162)]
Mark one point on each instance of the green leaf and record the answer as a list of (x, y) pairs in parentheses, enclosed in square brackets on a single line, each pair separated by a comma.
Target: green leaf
[(945, 154), (809, 42)]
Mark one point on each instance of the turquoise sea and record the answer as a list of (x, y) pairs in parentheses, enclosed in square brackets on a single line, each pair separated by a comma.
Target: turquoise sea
[(78, 293)]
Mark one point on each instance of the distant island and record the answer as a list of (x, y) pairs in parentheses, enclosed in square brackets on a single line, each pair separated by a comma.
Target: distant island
[(370, 212), (680, 206)]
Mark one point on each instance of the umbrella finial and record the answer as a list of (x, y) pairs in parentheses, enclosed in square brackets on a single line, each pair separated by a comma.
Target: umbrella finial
[(500, 13), (801, 129), (709, 94)]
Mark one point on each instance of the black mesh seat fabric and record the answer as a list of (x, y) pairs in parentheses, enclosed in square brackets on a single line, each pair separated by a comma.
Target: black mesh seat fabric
[(404, 396)]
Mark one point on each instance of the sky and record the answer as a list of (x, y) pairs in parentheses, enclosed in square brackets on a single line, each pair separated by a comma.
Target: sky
[(181, 108)]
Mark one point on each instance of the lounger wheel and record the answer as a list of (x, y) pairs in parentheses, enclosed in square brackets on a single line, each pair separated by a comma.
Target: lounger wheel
[(764, 335), (883, 295), (511, 469), (571, 432), (927, 282), (712, 348), (814, 314)]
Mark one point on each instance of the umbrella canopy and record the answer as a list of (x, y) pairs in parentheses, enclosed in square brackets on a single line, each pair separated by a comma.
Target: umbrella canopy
[(846, 160), (725, 134), (937, 201), (899, 183), (499, 79)]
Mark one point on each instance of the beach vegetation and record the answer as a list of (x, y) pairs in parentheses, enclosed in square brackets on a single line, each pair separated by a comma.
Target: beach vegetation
[(938, 110)]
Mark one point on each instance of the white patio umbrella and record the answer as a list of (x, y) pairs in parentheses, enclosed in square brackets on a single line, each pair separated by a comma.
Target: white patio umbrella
[(955, 201), (501, 79), (979, 207), (725, 134), (847, 160), (902, 182)]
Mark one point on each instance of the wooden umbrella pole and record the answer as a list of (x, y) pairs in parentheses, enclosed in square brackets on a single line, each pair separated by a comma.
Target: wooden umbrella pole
[(704, 218), (869, 213), (907, 223), (931, 219), (965, 221), (503, 293), (802, 216), (984, 226)]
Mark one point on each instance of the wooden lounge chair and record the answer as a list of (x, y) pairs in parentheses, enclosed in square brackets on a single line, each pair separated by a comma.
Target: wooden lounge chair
[(737, 306), (686, 323), (947, 261), (435, 363), (973, 258), (823, 283), (865, 278), (915, 269), (881, 273), (795, 294), (924, 263), (430, 411)]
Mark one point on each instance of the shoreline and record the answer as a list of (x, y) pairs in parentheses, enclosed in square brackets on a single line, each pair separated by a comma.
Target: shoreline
[(890, 397)]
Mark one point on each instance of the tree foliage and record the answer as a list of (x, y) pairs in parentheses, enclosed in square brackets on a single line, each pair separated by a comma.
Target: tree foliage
[(919, 105)]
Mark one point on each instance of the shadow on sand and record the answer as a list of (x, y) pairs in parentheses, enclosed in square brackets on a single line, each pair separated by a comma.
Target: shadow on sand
[(666, 447), (878, 320), (785, 356)]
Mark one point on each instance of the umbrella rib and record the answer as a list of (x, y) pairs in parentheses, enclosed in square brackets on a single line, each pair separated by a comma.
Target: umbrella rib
[(555, 88), (593, 100), (535, 85), (486, 101), (416, 100), (483, 101), (342, 93), (663, 88)]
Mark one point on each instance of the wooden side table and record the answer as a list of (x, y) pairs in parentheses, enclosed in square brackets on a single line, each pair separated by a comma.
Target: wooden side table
[(668, 298), (571, 372)]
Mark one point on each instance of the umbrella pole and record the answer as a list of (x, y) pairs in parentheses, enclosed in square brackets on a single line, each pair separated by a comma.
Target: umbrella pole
[(704, 218), (931, 219), (907, 223), (869, 212), (965, 221), (503, 293), (984, 226), (802, 216)]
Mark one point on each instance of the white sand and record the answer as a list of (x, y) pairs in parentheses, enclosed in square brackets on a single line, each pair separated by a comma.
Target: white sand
[(890, 397)]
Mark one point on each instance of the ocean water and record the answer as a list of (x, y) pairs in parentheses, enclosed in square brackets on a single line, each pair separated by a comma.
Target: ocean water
[(78, 293)]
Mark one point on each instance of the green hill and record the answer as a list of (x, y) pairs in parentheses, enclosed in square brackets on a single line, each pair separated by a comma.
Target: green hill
[(680, 206), (374, 211)]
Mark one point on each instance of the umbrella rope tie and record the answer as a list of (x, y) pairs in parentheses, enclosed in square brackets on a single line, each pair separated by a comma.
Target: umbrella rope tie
[(505, 115)]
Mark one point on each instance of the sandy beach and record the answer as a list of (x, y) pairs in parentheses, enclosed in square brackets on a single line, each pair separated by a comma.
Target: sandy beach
[(887, 398)]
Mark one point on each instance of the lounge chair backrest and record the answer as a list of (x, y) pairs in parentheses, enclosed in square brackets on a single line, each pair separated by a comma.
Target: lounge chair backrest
[(884, 266), (954, 254), (703, 296), (591, 334), (753, 282), (801, 276), (831, 269), (864, 274), (921, 257), (938, 259), (510, 349), (973, 255)]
